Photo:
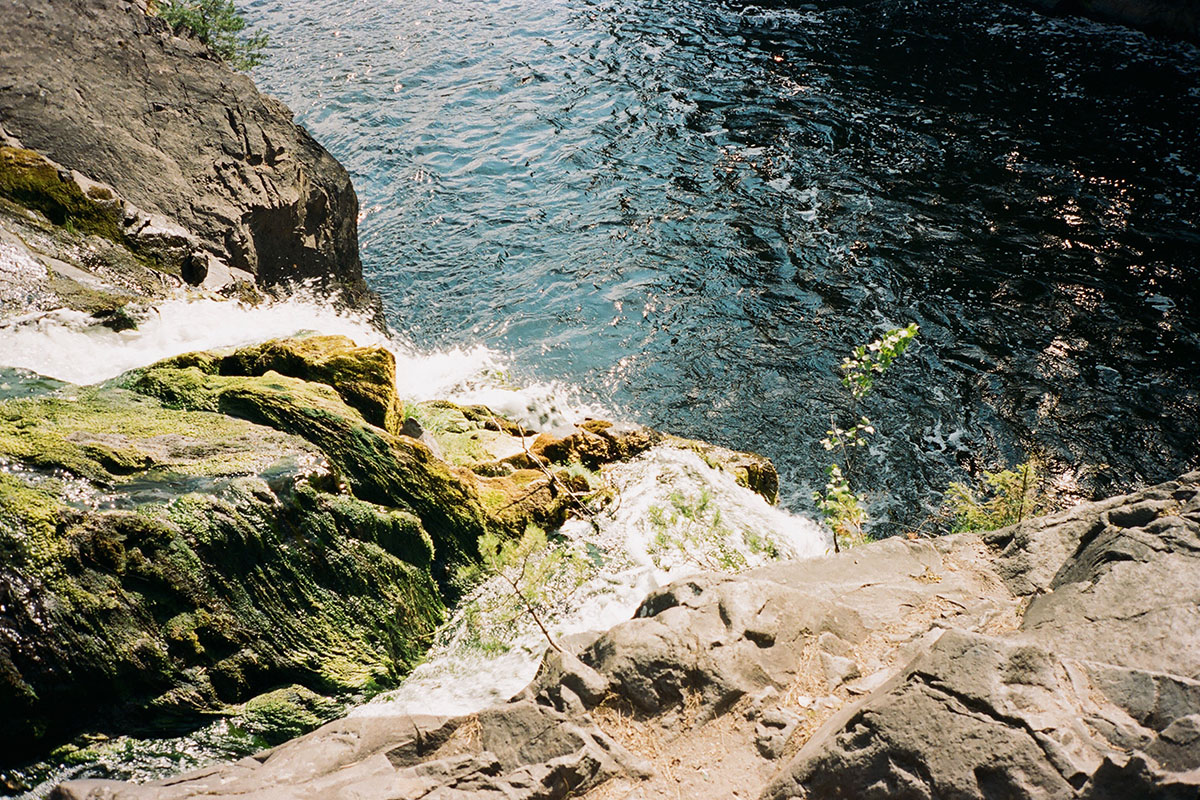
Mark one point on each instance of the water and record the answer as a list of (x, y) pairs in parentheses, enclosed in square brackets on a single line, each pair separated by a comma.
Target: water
[(692, 211)]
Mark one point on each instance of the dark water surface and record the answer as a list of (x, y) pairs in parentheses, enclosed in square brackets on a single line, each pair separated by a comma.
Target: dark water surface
[(692, 212)]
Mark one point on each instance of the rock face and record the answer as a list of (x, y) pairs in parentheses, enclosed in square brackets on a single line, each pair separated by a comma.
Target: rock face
[(105, 89), (1175, 18), (1053, 659)]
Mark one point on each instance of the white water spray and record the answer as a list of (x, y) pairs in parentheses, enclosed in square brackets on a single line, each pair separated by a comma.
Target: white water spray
[(676, 514)]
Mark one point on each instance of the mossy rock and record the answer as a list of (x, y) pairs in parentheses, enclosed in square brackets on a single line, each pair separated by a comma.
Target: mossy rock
[(364, 377), (29, 179), (286, 713), (379, 467), (233, 563)]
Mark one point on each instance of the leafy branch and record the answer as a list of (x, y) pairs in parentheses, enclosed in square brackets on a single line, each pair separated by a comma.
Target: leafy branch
[(842, 508), (537, 576)]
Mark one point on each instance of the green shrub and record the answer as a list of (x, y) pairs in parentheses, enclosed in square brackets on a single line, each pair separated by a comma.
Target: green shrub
[(1005, 498), (218, 24)]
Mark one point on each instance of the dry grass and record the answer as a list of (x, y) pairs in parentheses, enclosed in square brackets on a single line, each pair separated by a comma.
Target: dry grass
[(465, 739), (641, 737)]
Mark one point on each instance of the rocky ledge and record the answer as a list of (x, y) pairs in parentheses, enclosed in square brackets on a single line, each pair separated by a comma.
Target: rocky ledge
[(125, 134), (1053, 659)]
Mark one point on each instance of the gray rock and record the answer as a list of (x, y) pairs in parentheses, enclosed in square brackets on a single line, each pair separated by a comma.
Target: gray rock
[(838, 670), (773, 730), (1093, 695), (196, 143)]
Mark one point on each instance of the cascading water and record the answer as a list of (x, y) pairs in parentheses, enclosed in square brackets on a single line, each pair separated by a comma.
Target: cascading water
[(673, 513)]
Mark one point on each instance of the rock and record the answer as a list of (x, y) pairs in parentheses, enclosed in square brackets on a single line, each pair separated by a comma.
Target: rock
[(197, 145), (1093, 694), (1179, 19), (364, 377), (218, 524), (773, 730), (838, 670), (285, 713), (379, 467), (161, 564), (86, 248), (519, 751)]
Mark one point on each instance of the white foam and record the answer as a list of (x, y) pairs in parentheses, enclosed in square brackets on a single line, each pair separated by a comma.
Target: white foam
[(74, 347), (460, 678)]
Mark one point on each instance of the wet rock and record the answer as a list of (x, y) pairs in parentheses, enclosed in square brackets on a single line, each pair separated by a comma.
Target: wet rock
[(197, 144), (160, 564), (285, 713), (1174, 18)]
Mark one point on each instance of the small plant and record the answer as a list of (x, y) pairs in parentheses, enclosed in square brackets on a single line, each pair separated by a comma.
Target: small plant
[(1006, 497), (693, 530), (538, 576), (219, 25), (843, 509), (839, 504)]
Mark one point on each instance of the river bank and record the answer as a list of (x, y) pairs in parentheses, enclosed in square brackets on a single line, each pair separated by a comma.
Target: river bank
[(234, 505)]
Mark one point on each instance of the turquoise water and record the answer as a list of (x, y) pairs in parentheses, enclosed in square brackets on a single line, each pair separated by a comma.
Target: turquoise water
[(692, 211)]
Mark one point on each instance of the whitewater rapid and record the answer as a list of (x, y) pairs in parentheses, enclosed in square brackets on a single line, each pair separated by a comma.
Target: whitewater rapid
[(626, 539)]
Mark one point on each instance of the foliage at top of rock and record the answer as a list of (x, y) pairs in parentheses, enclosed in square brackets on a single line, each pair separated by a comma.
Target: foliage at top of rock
[(218, 24)]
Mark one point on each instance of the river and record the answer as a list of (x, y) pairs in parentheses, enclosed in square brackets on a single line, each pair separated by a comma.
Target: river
[(690, 212)]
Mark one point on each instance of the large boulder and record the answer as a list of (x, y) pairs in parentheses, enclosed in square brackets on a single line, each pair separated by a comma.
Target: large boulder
[(197, 143), (159, 564)]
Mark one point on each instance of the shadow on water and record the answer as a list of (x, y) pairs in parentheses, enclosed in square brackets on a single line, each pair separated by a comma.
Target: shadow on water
[(693, 211)]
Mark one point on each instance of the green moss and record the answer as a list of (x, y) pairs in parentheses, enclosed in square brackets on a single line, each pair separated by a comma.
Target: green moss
[(286, 713), (364, 377), (105, 434), (30, 180), (380, 468), (29, 526)]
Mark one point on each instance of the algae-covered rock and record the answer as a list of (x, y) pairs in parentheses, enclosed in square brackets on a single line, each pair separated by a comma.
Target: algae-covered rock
[(378, 467), (34, 182), (286, 713), (364, 377), (159, 564)]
